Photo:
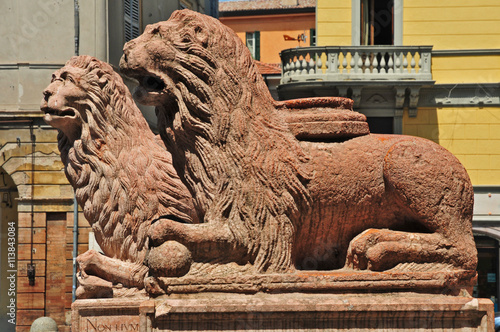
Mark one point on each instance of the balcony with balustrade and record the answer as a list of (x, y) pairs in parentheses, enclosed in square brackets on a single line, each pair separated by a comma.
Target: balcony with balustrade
[(358, 72), (362, 63)]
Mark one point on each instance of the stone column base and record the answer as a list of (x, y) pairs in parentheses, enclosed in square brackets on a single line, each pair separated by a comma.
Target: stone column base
[(285, 312)]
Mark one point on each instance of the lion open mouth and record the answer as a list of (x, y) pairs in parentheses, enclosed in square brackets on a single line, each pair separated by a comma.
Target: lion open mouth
[(150, 90), (60, 113), (152, 83)]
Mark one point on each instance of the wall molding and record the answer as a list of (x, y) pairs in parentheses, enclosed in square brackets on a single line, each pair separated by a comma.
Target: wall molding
[(469, 52)]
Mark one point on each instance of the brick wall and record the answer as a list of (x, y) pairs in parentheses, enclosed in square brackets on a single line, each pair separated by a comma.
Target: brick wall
[(53, 245)]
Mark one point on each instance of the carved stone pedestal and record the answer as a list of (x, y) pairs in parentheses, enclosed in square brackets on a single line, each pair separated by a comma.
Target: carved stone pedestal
[(285, 312)]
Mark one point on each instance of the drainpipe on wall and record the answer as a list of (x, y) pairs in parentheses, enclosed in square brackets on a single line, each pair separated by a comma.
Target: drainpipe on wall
[(75, 204), (31, 271), (75, 245)]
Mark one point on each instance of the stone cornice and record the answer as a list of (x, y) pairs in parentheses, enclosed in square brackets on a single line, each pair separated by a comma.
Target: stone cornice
[(398, 94)]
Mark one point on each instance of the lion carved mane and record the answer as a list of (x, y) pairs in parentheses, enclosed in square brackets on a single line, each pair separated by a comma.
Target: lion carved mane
[(122, 174), (270, 201)]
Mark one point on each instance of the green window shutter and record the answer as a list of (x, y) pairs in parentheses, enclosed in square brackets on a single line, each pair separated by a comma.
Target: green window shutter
[(312, 37), (257, 45)]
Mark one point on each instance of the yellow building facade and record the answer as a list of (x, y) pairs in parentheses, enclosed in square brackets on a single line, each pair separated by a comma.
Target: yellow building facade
[(465, 39)]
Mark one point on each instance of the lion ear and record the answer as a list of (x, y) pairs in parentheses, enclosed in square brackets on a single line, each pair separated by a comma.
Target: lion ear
[(102, 81), (201, 36)]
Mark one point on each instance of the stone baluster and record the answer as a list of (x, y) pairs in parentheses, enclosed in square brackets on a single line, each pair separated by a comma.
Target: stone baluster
[(382, 62), (358, 63), (304, 65), (390, 63), (398, 62), (366, 67), (344, 62), (286, 67), (327, 62), (298, 65), (312, 64), (405, 62), (419, 64), (319, 63)]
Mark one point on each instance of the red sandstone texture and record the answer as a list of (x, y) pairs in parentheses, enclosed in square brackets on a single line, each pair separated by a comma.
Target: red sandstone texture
[(276, 193)]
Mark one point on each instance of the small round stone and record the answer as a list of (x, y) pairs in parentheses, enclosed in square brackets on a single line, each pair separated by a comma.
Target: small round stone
[(170, 259), (44, 324)]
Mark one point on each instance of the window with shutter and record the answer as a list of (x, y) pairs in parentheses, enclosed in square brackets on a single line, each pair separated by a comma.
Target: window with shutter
[(253, 43), (131, 19)]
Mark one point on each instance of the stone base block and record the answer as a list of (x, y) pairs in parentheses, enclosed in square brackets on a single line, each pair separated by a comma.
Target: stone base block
[(286, 312)]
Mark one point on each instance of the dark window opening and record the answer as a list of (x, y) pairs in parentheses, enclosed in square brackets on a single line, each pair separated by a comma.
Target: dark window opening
[(377, 22), (381, 125)]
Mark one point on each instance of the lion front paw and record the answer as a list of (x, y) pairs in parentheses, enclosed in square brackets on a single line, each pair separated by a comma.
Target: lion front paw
[(92, 287), (87, 262), (152, 287)]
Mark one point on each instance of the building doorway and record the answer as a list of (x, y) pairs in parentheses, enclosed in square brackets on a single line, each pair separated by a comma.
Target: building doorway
[(487, 269), (8, 252)]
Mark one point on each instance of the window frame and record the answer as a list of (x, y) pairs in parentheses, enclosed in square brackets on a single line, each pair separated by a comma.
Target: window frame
[(356, 23), (254, 36)]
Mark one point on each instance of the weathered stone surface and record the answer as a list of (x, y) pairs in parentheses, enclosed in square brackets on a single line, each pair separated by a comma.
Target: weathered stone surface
[(44, 324), (340, 281), (269, 203), (287, 312), (107, 315), (323, 118)]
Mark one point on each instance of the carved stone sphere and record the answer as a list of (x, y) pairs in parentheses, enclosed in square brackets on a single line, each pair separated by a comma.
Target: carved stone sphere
[(170, 259)]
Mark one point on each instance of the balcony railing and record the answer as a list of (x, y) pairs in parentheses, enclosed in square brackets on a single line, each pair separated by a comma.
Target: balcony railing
[(351, 63)]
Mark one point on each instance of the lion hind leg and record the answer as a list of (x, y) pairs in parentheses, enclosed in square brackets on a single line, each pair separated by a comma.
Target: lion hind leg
[(433, 189), (383, 249)]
